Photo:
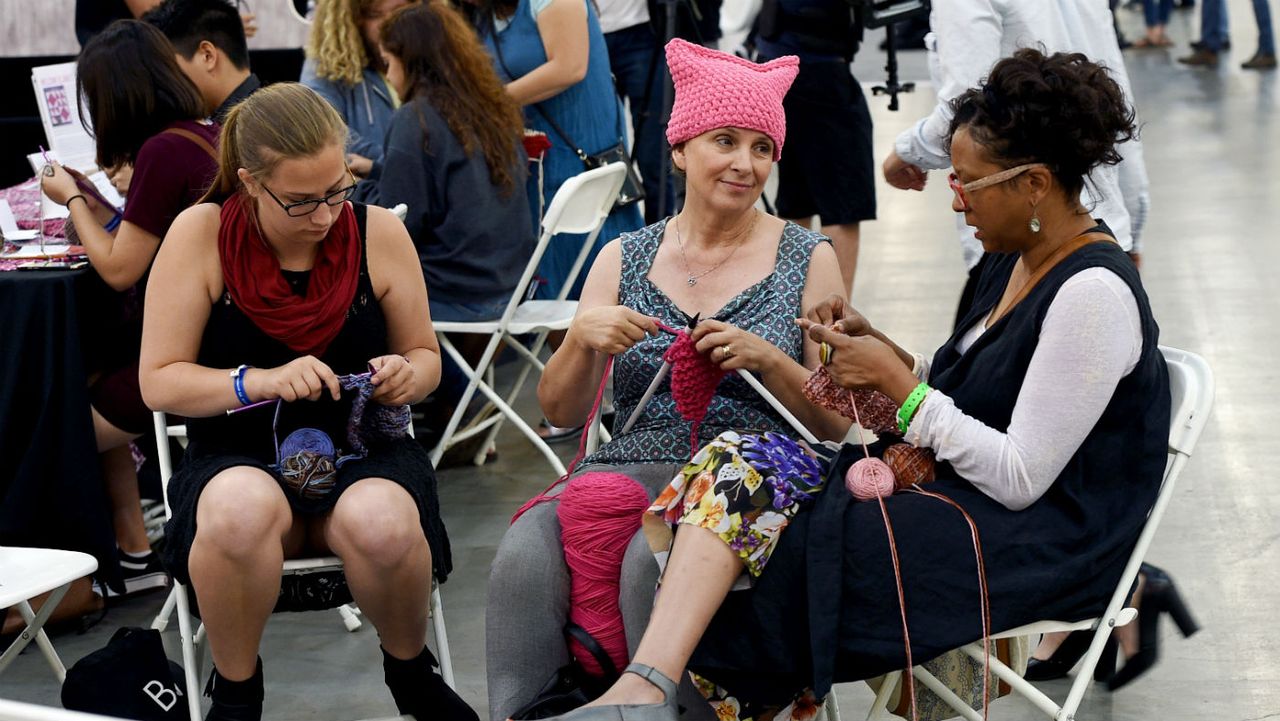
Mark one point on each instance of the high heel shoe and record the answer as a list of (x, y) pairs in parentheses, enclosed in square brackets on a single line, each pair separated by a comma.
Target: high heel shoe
[(1068, 655), (1159, 596)]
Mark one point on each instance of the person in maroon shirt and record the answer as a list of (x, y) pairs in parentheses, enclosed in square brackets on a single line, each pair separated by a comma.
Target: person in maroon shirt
[(149, 118)]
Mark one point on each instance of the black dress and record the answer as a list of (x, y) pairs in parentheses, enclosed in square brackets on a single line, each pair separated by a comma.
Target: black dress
[(826, 608), (247, 438)]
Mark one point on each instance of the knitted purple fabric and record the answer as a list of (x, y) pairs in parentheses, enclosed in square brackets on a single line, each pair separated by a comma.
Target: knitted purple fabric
[(718, 90)]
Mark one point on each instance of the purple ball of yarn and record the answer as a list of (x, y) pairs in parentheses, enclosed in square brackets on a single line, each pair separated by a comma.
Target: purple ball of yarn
[(870, 478), (307, 439)]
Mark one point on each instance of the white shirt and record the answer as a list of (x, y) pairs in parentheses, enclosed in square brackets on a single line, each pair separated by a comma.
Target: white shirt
[(621, 14), (970, 36), (1090, 339)]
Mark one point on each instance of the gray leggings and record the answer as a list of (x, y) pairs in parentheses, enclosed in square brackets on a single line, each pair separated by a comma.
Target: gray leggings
[(528, 601)]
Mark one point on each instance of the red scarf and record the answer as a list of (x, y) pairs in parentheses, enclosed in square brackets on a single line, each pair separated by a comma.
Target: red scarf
[(252, 275)]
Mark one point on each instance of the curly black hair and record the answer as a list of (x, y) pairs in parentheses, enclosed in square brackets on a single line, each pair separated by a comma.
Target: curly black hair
[(1062, 110)]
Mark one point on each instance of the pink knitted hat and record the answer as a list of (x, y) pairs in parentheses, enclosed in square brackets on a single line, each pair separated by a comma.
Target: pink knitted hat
[(718, 90)]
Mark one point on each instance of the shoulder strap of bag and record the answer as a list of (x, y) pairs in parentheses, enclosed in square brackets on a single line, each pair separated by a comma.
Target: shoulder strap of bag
[(579, 634), (582, 154), (199, 141)]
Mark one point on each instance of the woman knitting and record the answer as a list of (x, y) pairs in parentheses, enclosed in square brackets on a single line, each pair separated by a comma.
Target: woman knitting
[(1048, 412), (291, 327), (748, 274)]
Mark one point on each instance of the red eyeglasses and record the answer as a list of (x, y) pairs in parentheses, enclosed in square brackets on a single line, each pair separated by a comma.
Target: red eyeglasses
[(962, 189)]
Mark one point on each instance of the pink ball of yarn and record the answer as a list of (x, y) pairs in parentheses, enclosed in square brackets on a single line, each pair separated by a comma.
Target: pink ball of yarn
[(599, 514), (870, 478)]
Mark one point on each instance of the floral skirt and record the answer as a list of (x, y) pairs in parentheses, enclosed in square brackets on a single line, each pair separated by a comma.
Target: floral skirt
[(745, 488)]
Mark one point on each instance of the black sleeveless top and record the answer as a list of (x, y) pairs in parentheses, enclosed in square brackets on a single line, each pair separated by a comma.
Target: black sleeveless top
[(826, 609), (231, 339)]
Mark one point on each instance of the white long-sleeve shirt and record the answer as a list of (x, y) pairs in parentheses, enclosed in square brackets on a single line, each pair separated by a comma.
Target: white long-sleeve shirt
[(970, 36), (1091, 338)]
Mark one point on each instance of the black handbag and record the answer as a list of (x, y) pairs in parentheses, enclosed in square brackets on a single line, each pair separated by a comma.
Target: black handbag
[(571, 686), (632, 190), (130, 677)]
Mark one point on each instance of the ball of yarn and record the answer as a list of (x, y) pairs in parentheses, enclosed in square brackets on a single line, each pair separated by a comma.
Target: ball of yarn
[(599, 514), (910, 465), (870, 478)]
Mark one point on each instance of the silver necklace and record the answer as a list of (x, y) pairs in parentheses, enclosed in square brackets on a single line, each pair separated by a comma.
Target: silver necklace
[(692, 278)]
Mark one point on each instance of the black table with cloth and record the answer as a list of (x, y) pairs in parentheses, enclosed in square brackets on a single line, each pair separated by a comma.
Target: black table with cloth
[(51, 490)]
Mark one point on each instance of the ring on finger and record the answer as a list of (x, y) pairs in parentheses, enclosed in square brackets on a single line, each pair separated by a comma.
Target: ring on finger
[(726, 351), (826, 353)]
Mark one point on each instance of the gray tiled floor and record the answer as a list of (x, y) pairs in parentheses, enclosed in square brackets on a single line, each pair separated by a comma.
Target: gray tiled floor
[(1213, 151)]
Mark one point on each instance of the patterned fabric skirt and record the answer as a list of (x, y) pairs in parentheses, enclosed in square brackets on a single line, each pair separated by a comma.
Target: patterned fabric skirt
[(745, 488)]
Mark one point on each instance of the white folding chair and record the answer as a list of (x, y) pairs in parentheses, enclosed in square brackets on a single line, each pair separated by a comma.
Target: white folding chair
[(1191, 389), (580, 206), (28, 572), (299, 566)]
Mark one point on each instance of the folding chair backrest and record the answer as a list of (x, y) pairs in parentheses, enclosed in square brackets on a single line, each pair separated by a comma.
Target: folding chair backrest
[(581, 205), (163, 458)]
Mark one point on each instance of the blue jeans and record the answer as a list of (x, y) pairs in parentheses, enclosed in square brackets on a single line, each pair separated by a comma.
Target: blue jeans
[(640, 70), (1156, 12), (1266, 34), (1213, 24)]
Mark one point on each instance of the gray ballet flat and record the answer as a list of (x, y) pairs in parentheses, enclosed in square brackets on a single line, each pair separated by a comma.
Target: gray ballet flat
[(665, 711)]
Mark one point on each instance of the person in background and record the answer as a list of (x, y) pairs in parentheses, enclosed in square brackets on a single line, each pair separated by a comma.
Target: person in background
[(93, 16), (640, 72), (1214, 37), (149, 119), (829, 169), (553, 59), (1156, 15), (454, 156), (345, 67), (968, 38), (211, 49)]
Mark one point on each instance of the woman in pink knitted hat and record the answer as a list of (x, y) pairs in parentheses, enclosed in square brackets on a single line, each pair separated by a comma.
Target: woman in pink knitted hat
[(745, 273)]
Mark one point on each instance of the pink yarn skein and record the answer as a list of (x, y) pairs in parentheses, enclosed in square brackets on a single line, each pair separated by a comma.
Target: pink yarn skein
[(599, 513)]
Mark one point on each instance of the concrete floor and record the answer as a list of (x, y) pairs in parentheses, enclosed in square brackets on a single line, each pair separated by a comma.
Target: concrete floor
[(1213, 152)]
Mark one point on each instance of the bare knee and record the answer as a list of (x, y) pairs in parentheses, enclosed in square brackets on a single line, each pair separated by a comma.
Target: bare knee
[(241, 513), (377, 520)]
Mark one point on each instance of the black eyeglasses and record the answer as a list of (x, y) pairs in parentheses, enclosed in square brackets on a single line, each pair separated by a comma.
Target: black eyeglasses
[(307, 207)]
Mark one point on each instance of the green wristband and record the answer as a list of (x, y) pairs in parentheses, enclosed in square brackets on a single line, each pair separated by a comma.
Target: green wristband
[(911, 405)]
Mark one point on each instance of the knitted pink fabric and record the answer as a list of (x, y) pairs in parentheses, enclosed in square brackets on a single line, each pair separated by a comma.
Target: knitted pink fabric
[(718, 90)]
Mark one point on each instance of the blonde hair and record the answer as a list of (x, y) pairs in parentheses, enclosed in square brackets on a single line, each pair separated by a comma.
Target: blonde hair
[(277, 122), (336, 43)]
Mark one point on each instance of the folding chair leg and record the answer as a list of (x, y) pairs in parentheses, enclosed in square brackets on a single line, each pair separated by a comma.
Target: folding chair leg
[(530, 357), (442, 638), (35, 632), (502, 406), (956, 703), (190, 667), (161, 621), (350, 614), (473, 383), (880, 707)]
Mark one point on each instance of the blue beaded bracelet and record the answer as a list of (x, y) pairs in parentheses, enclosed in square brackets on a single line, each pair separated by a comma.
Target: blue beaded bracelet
[(237, 383)]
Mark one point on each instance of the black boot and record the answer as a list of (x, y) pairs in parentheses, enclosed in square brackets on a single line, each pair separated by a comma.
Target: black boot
[(235, 700), (420, 692)]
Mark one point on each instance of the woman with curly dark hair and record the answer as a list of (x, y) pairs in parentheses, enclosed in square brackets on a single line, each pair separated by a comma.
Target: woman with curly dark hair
[(454, 156), (1048, 412)]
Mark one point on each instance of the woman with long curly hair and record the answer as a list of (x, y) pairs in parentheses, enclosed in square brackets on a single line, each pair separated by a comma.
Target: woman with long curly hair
[(344, 66), (454, 155)]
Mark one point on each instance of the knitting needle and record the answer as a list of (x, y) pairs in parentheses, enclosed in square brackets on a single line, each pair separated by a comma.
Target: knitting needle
[(657, 380)]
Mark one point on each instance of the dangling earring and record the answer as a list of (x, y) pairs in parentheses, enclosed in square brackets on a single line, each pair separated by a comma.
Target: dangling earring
[(1034, 225)]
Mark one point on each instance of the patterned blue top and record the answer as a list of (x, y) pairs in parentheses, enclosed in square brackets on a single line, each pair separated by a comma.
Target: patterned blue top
[(768, 309)]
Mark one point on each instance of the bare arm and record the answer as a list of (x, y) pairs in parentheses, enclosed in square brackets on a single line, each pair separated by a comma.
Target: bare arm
[(600, 328), (138, 8), (396, 274), (185, 282), (563, 28)]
